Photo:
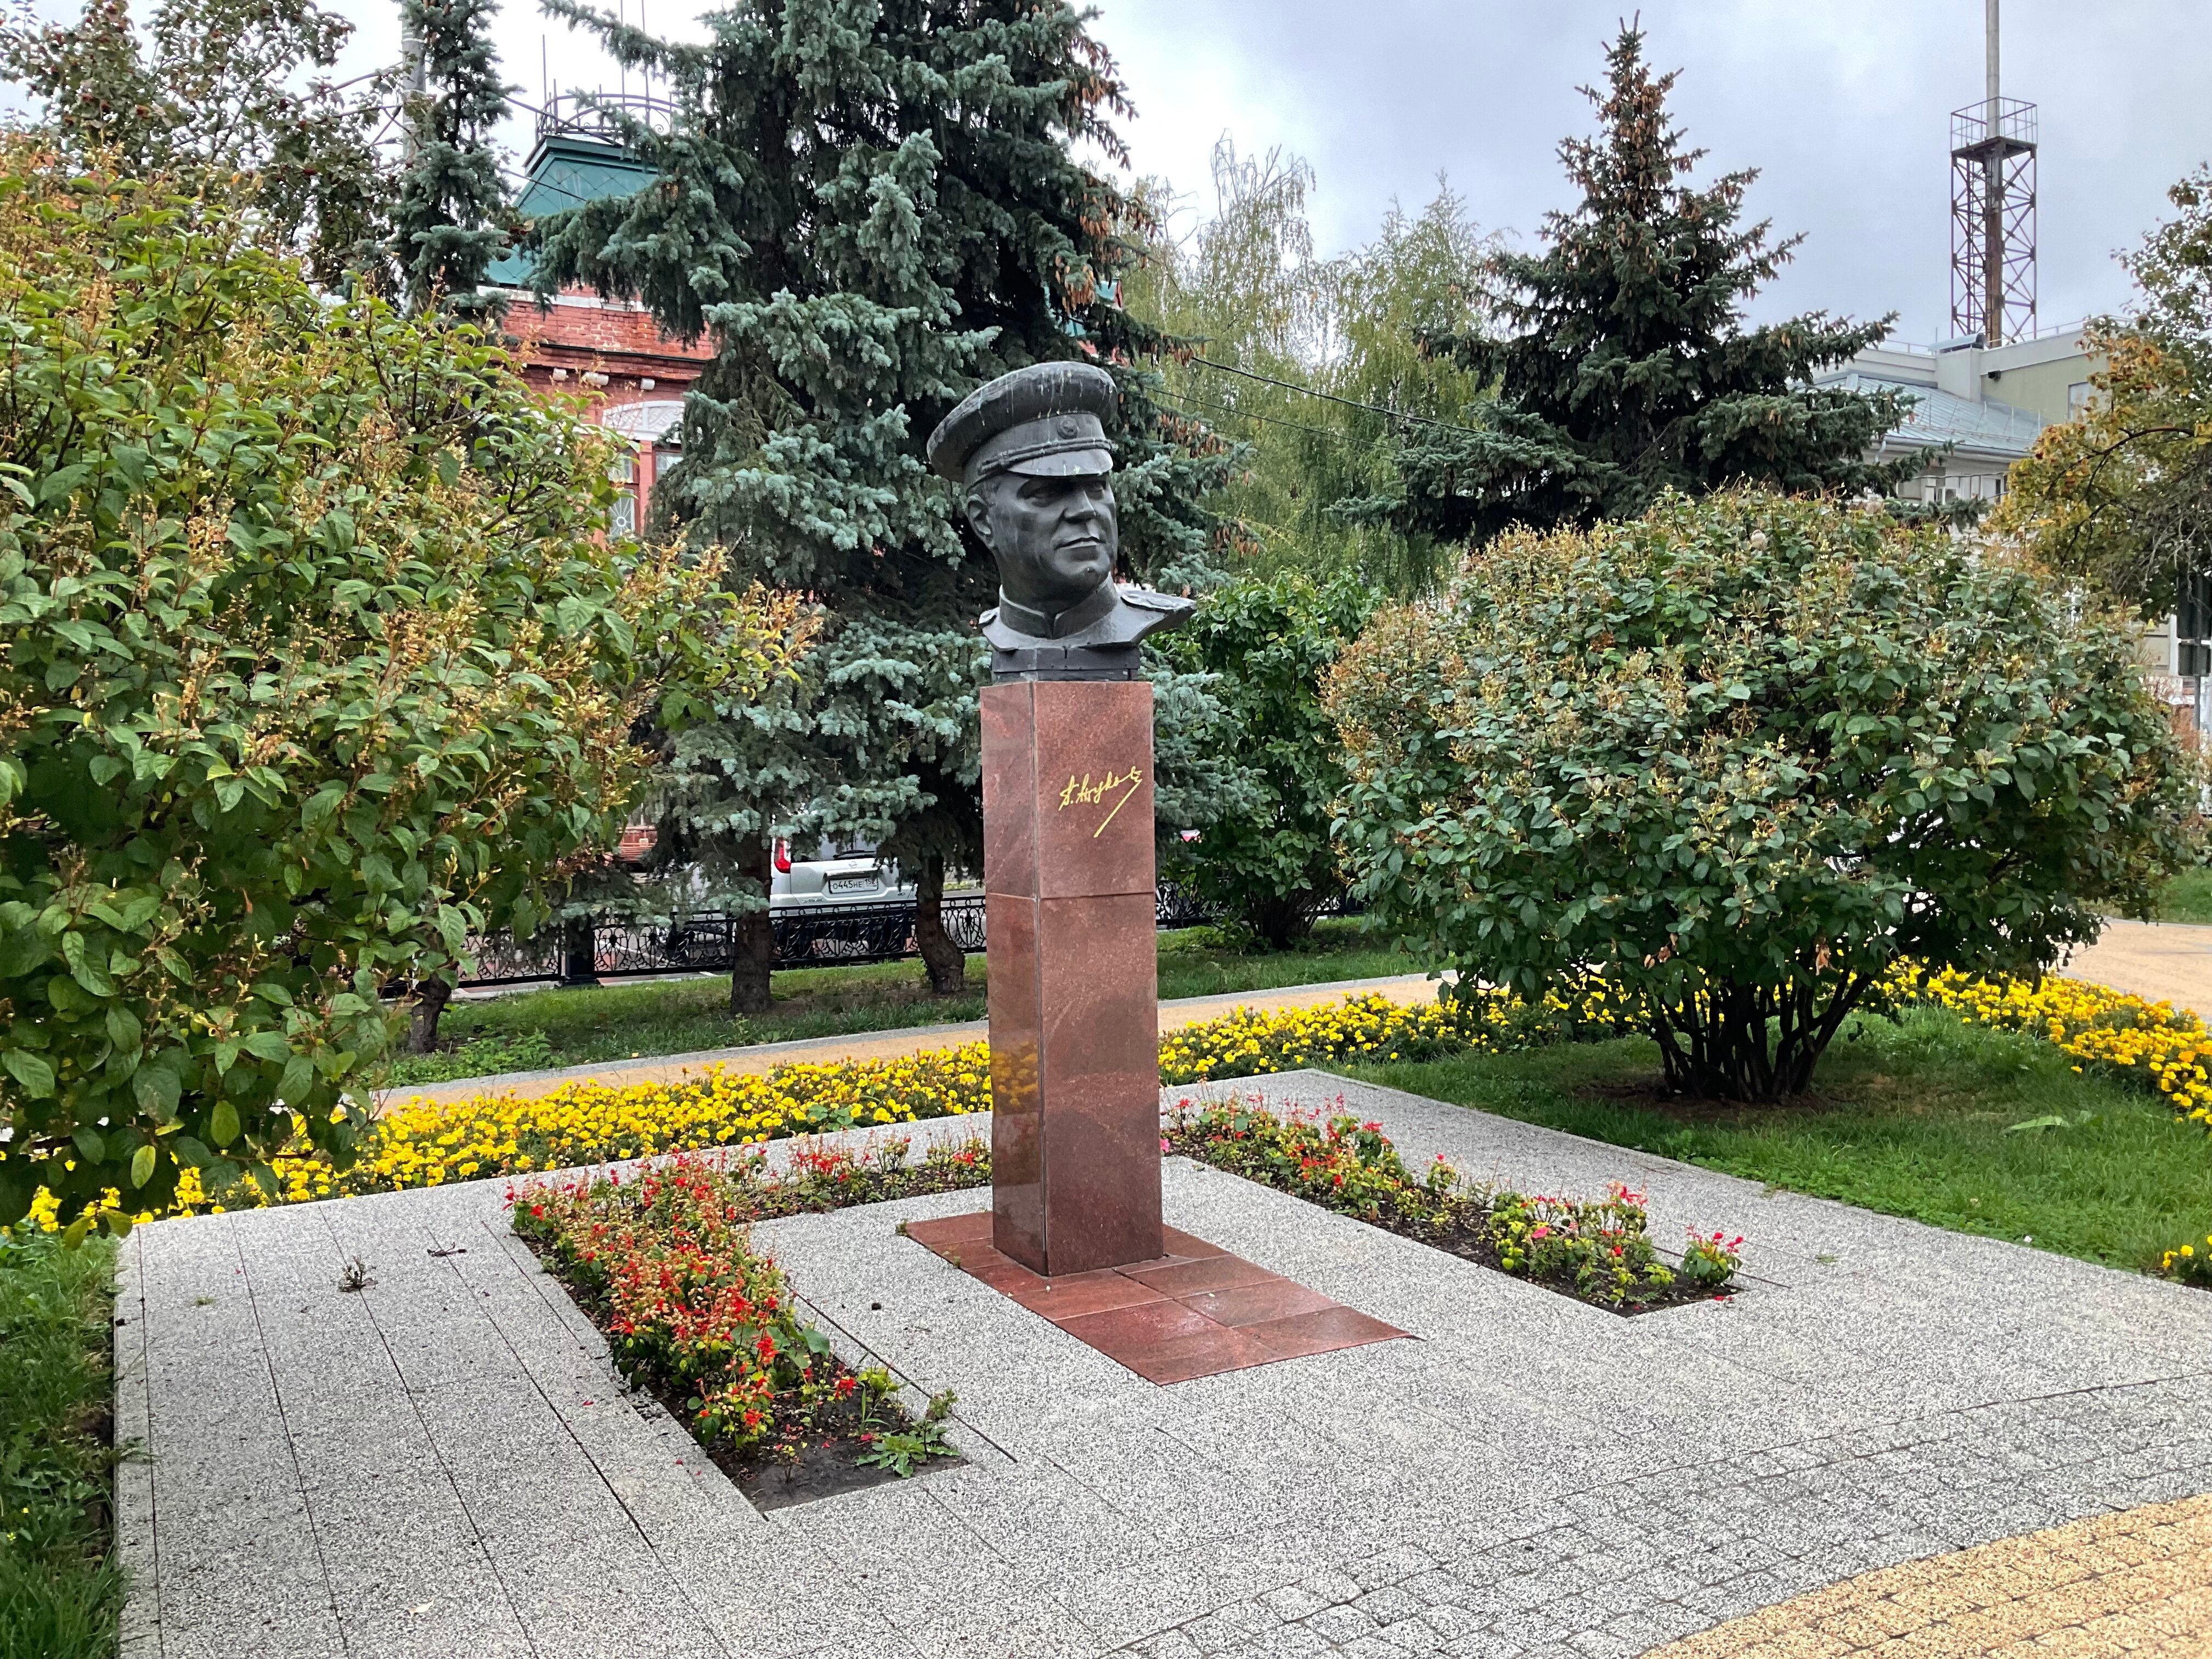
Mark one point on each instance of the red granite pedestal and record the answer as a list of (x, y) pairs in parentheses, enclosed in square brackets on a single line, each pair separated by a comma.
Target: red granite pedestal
[(1068, 890)]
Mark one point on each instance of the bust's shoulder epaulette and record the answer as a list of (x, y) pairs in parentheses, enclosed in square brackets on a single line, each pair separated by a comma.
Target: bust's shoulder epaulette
[(1149, 599)]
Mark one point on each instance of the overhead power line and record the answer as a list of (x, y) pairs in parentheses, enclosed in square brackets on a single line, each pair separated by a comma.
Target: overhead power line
[(1330, 397), (1187, 403)]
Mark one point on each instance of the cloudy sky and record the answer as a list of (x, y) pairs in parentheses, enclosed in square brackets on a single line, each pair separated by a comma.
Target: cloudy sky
[(1842, 104)]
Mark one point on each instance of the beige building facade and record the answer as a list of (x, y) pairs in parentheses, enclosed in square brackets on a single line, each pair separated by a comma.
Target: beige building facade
[(1975, 410)]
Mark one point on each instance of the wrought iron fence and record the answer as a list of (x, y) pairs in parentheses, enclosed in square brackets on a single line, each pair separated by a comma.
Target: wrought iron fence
[(816, 935), (583, 950)]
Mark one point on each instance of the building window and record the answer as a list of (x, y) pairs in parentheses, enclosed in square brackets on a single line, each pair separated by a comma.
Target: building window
[(2077, 398), (623, 518), (2192, 625)]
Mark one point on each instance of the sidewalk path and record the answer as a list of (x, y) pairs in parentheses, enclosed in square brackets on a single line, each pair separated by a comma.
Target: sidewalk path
[(1405, 989), (444, 1465), (2165, 961)]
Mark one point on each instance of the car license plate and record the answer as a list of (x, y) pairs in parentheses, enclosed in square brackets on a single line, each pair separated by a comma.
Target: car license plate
[(853, 883)]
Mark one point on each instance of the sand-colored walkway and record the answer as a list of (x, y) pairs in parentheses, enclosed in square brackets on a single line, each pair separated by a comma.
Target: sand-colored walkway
[(2165, 961), (2139, 1582), (1405, 989), (2159, 960)]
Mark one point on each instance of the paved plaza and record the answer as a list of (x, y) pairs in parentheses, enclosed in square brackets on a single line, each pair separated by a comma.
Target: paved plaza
[(443, 1463)]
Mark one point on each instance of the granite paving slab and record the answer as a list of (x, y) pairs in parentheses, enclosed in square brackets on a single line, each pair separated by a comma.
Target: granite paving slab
[(1194, 1311), (444, 1462)]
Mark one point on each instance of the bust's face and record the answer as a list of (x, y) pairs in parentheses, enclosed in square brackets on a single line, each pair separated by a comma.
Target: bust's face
[(1055, 538)]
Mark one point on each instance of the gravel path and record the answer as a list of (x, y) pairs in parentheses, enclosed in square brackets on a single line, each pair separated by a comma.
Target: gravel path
[(2164, 961)]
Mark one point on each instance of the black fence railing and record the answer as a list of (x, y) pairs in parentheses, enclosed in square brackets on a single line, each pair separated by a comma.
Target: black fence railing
[(581, 951)]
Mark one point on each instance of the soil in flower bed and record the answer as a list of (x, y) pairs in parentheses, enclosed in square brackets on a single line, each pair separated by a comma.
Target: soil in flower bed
[(662, 1262), (1595, 1250)]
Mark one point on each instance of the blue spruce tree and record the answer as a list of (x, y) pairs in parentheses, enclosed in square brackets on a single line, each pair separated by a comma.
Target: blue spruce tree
[(450, 223), (868, 207)]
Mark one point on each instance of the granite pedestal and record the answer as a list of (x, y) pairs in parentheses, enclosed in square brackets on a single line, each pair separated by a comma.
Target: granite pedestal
[(1068, 880)]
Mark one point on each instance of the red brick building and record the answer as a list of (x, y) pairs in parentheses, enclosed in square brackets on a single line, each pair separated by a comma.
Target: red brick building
[(608, 351)]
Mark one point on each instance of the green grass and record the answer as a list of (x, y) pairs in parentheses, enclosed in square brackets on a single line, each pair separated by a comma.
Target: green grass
[(1913, 1119), (2187, 897), (61, 1595), (535, 1030)]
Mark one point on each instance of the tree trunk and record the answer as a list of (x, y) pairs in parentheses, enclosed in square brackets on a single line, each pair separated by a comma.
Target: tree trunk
[(1716, 1044), (753, 954), (580, 957), (1283, 922), (431, 997), (947, 965)]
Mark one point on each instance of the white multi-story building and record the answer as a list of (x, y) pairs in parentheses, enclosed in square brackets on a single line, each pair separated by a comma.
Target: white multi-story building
[(1979, 409), (1985, 404)]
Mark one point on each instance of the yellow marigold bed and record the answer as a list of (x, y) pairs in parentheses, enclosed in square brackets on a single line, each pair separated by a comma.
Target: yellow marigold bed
[(2165, 1047), (2168, 1048)]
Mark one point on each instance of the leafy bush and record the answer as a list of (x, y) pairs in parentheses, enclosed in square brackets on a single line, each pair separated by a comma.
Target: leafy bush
[(1739, 757), (313, 659), (1271, 863)]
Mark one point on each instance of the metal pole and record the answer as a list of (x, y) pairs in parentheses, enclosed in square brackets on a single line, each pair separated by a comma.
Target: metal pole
[(1993, 200), (414, 80)]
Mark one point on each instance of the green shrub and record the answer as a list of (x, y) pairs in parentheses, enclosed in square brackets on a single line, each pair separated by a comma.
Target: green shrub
[(314, 659), (1741, 756), (1271, 863)]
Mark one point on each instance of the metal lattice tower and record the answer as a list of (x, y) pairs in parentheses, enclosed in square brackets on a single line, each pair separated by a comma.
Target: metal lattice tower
[(1993, 212)]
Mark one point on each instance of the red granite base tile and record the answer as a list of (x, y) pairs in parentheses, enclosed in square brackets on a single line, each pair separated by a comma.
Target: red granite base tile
[(1163, 1342), (1072, 1296), (1190, 1246), (1205, 1353), (1270, 1299), (1195, 1312), (974, 1229), (1321, 1331), (1211, 1272)]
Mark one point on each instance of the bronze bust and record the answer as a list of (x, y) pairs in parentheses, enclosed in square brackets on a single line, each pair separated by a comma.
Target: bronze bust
[(1031, 450)]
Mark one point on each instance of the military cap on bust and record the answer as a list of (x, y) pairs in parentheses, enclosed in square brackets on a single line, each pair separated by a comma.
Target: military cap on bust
[(1047, 421)]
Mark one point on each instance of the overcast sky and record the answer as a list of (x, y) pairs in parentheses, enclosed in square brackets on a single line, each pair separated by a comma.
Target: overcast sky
[(1842, 104)]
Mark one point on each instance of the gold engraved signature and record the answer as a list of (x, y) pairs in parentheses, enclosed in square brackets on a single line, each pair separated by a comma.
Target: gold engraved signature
[(1084, 793)]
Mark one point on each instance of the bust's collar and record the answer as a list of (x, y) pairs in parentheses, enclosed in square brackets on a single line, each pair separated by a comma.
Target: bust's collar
[(1093, 607)]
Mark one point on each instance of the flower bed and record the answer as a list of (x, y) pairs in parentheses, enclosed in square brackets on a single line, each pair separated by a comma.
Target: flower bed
[(2152, 1042), (2191, 1264), (663, 1263), (1597, 1250), (2167, 1049), (583, 1123), (1248, 1042)]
